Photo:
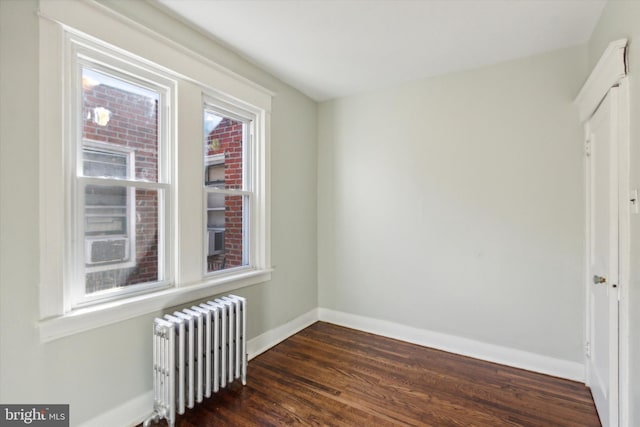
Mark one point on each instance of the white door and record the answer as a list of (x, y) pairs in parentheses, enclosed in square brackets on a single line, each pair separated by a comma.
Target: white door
[(602, 361)]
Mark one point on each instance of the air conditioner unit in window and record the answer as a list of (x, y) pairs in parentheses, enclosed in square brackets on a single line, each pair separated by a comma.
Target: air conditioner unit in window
[(216, 240), (106, 250)]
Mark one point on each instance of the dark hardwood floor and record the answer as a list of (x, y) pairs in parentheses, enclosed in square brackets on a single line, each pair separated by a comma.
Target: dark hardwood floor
[(330, 375)]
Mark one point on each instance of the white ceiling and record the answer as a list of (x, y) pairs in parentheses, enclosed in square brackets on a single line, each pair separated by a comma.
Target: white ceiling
[(333, 48)]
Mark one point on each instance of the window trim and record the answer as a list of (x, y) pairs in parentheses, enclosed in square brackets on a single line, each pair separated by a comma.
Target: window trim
[(105, 28), (85, 319)]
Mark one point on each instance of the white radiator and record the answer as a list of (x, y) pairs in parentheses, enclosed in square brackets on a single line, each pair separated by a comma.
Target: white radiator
[(196, 352)]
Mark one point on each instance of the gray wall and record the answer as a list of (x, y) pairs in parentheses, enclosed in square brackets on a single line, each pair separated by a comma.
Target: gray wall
[(452, 204), (621, 19), (455, 205), (98, 370)]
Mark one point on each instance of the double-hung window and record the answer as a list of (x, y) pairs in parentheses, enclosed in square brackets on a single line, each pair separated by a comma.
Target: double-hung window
[(120, 181), (154, 173), (228, 188)]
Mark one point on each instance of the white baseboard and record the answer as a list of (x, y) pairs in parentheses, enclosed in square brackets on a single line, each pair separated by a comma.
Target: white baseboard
[(130, 413), (463, 346), (136, 410), (264, 342)]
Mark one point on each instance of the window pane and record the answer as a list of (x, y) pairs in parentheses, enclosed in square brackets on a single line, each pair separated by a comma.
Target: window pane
[(223, 148), (121, 240), (124, 115), (226, 231)]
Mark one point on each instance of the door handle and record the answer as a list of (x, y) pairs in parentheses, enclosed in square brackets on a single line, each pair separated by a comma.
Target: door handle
[(599, 279)]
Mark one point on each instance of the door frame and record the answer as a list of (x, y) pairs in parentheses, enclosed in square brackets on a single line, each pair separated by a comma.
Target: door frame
[(611, 71)]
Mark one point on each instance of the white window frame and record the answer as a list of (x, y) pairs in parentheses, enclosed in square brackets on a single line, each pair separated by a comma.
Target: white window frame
[(250, 167), (82, 53), (194, 75)]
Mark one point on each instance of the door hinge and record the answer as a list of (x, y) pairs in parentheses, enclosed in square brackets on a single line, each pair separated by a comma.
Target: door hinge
[(587, 349), (587, 147)]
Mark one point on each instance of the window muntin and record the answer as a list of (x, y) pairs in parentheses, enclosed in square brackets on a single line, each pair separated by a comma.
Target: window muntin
[(120, 193), (228, 189)]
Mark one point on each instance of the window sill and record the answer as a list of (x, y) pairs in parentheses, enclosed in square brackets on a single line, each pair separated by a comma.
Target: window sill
[(96, 316)]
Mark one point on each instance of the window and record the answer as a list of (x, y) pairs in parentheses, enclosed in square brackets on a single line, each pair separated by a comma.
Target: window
[(120, 182), (144, 202), (227, 188)]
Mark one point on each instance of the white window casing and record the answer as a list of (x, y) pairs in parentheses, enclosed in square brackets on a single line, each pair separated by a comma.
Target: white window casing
[(73, 32)]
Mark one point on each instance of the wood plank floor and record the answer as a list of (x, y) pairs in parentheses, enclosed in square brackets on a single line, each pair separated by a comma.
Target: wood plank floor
[(330, 375)]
